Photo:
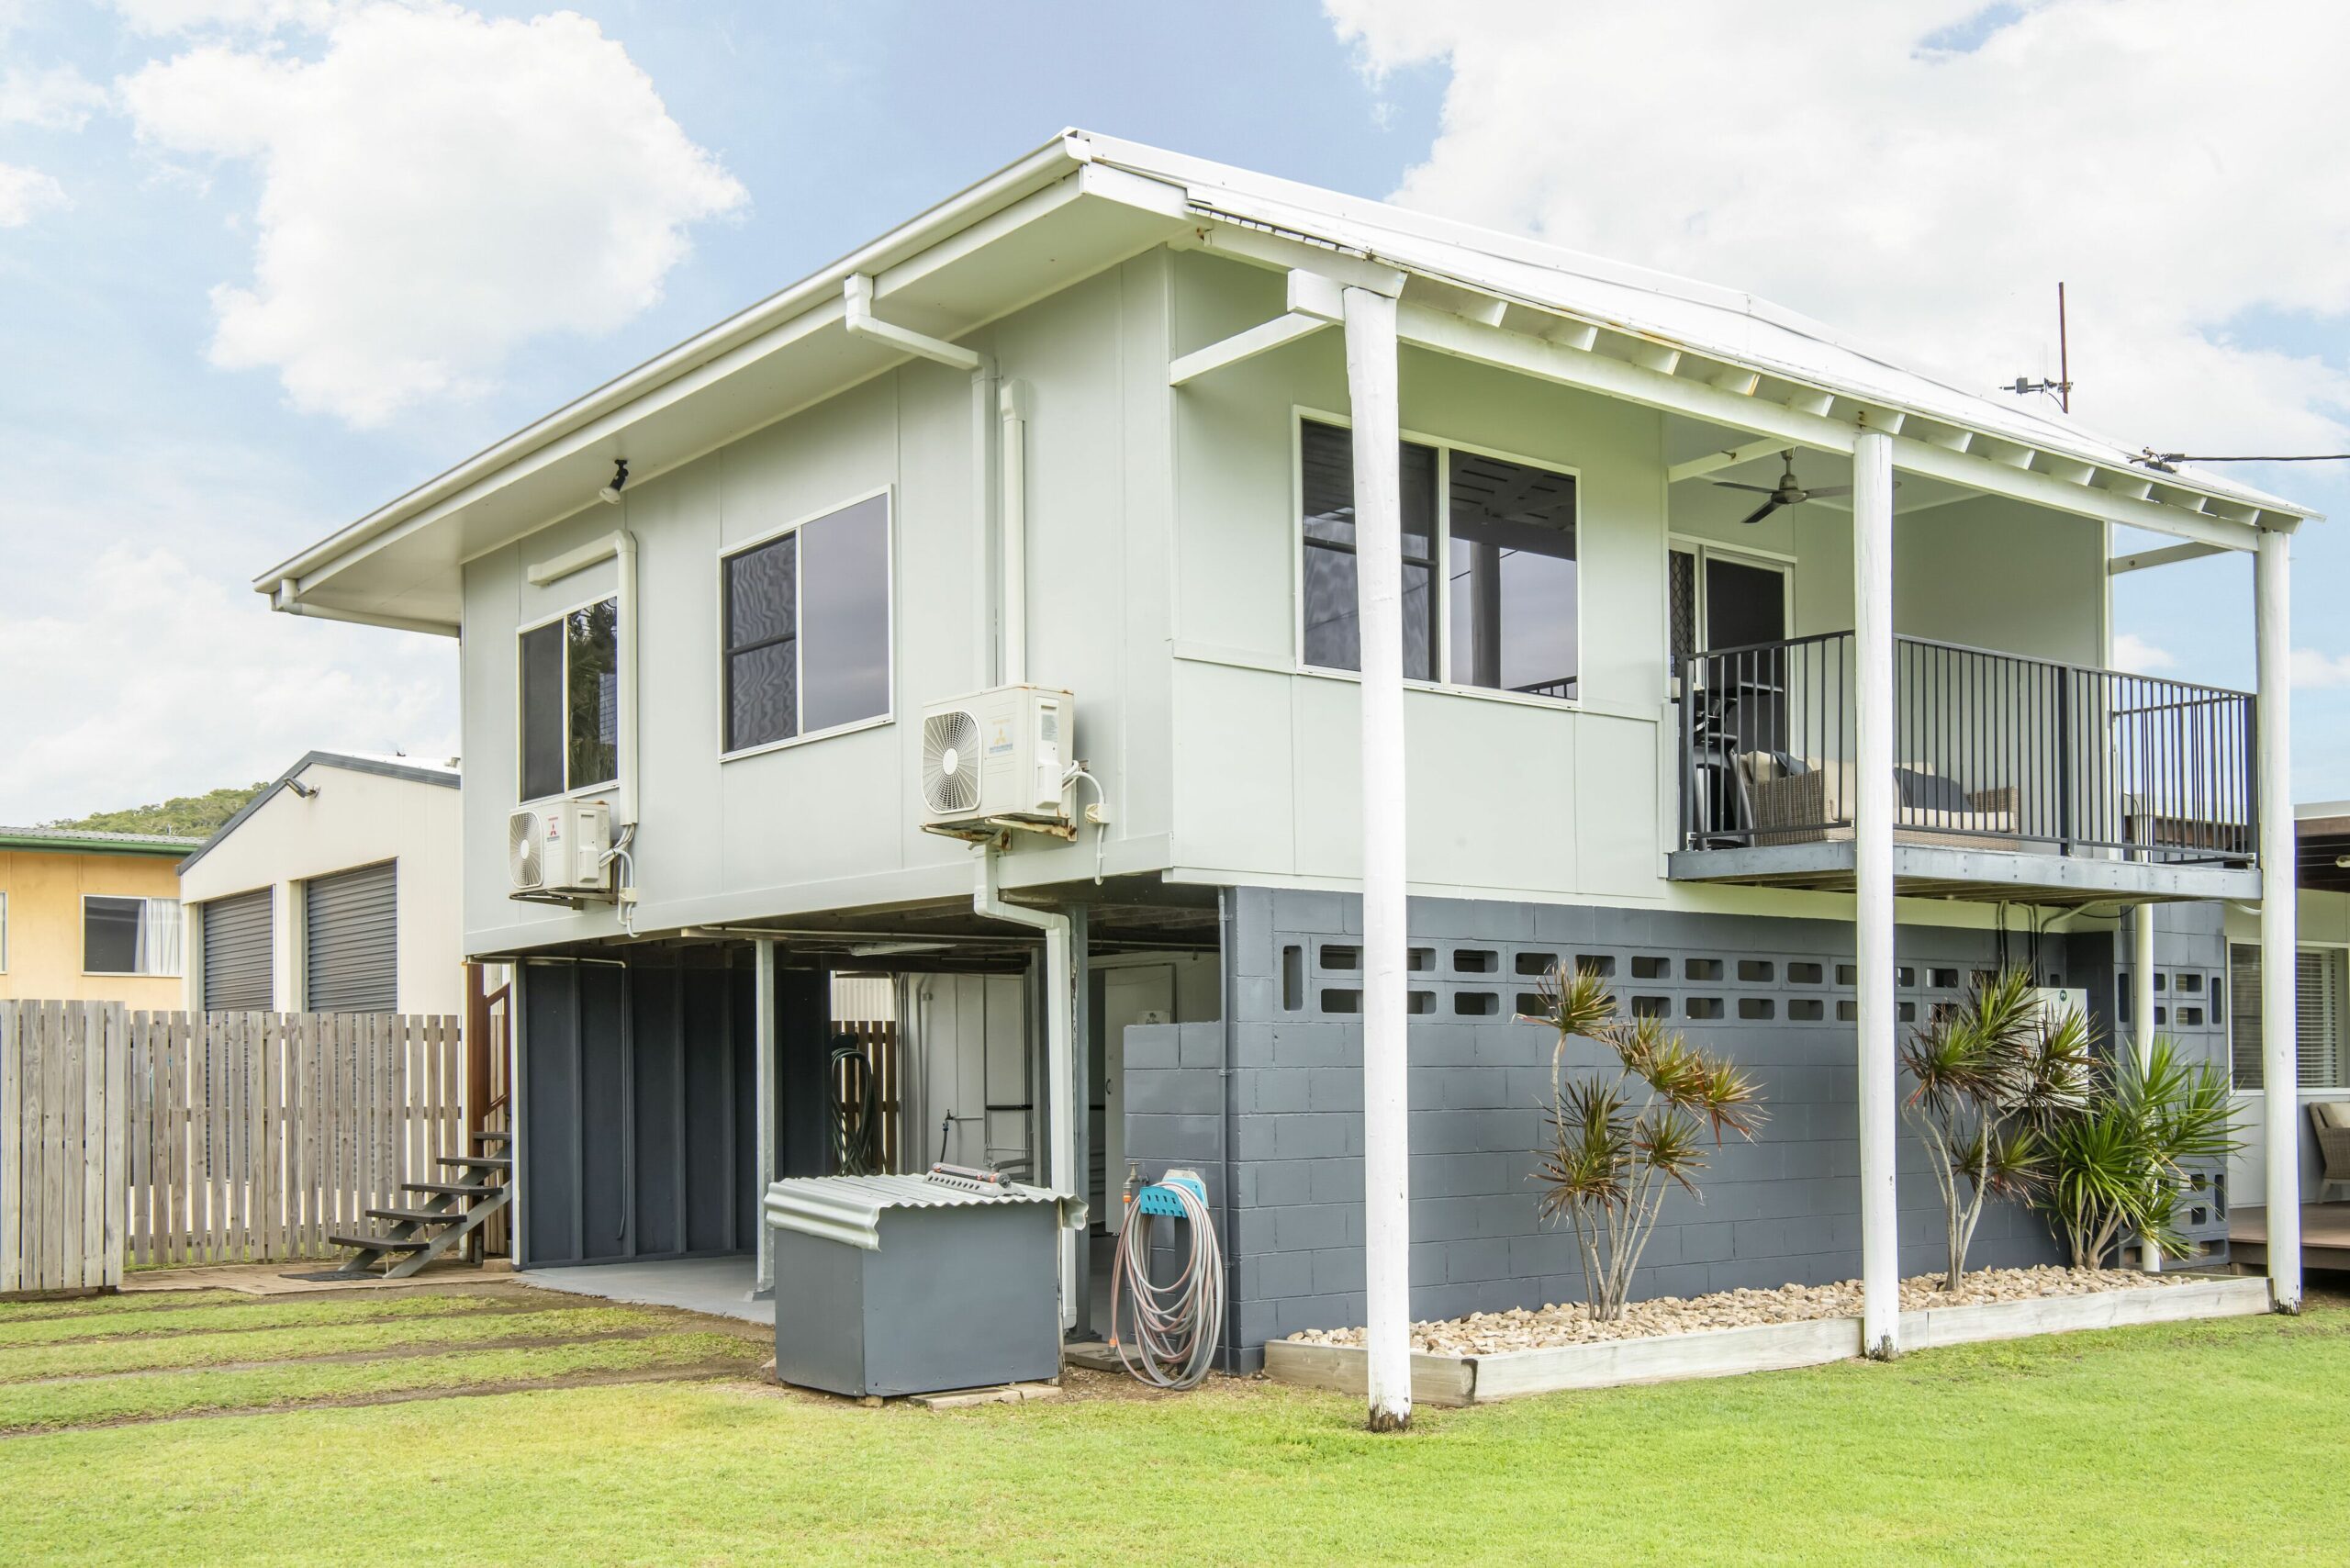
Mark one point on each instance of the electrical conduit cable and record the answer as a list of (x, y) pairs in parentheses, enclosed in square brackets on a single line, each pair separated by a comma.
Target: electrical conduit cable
[(1176, 1326)]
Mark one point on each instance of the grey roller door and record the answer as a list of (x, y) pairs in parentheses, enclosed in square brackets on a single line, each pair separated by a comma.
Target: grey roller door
[(352, 942), (236, 953)]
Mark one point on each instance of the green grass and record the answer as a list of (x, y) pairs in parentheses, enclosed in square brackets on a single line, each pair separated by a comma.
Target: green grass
[(42, 1327), (90, 1400), (2221, 1441), (102, 1357)]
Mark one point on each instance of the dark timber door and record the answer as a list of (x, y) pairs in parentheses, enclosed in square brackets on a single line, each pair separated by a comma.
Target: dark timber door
[(351, 932), (236, 937)]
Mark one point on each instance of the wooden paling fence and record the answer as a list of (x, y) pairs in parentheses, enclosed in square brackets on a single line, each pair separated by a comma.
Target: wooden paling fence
[(209, 1138), (65, 1086)]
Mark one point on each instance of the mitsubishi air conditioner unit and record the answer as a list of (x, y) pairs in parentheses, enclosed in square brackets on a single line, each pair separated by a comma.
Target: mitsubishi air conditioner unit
[(996, 760), (559, 851)]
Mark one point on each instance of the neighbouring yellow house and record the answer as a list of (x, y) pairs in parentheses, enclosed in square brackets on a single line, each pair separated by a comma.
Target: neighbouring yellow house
[(91, 917)]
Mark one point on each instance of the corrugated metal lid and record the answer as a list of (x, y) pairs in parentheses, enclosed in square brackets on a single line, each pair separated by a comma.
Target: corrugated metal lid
[(849, 1208)]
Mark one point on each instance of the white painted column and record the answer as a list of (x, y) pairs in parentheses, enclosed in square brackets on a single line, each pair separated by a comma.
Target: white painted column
[(1873, 764), (763, 1075), (2142, 1019), (1379, 572), (2279, 1068)]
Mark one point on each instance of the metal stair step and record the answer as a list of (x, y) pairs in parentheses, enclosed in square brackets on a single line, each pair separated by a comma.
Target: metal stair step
[(477, 1161), (493, 1135), (382, 1244), (448, 1189), (418, 1216)]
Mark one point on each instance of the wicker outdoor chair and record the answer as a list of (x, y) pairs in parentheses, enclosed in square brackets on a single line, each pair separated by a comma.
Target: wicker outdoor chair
[(2330, 1119)]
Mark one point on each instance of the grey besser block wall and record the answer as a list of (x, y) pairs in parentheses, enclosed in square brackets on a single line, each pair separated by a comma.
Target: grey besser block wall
[(1764, 990)]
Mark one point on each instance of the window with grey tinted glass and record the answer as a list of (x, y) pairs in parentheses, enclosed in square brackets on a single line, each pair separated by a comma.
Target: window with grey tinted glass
[(807, 634), (1511, 575), (1332, 629), (571, 683)]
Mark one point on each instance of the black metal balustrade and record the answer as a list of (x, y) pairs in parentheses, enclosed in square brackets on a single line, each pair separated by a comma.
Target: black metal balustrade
[(1990, 751)]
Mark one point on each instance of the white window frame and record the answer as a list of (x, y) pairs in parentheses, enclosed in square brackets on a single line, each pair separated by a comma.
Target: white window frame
[(1439, 561), (621, 640), (728, 551), (83, 939), (2342, 1027)]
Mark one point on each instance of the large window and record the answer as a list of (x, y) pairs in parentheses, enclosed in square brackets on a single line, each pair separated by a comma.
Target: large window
[(129, 935), (571, 687), (2318, 986), (807, 628), (1507, 616)]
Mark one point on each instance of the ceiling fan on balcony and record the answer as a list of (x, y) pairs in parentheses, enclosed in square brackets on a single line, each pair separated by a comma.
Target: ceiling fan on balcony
[(1786, 492)]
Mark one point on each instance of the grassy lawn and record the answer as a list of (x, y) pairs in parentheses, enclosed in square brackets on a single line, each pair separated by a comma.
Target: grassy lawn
[(2215, 1442)]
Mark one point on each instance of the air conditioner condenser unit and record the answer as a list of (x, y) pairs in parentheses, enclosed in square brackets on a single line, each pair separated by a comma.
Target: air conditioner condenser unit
[(997, 759), (559, 849)]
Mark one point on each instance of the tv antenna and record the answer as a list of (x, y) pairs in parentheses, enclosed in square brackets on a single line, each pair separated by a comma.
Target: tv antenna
[(2062, 388)]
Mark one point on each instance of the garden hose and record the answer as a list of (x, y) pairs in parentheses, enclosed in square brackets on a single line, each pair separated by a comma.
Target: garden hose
[(857, 1110), (1175, 1327)]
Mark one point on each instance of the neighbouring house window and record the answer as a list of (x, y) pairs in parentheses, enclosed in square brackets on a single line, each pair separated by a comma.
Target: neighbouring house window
[(131, 936), (807, 628), (571, 685), (2319, 982), (1510, 569), (1332, 634)]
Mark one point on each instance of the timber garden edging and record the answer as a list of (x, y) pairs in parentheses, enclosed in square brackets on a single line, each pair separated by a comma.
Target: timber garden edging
[(1447, 1379)]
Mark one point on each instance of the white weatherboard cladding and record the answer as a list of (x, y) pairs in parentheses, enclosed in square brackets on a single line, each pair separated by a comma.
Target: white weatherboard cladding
[(831, 822)]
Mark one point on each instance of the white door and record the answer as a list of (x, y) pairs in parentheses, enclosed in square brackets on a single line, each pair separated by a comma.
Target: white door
[(1142, 994)]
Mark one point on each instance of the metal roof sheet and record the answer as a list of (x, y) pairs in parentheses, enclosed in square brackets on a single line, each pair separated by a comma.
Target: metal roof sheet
[(95, 839), (848, 1209)]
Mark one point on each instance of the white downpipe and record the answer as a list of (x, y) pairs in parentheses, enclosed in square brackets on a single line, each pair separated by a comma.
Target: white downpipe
[(2142, 1018), (624, 548), (2279, 1072), (856, 299), (1060, 1131), (1386, 1134), (1012, 402), (1873, 887), (763, 1051)]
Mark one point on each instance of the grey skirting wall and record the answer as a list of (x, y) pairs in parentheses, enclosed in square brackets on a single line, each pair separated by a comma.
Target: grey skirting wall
[(1775, 994)]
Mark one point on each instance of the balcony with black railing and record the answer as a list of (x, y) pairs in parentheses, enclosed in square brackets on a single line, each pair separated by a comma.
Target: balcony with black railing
[(2014, 777)]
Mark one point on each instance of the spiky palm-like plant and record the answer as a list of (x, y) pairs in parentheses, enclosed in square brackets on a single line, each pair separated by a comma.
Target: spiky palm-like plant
[(2117, 1165), (1988, 1078), (1621, 1142)]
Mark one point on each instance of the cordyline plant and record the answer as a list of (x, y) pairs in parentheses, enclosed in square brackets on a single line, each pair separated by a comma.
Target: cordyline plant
[(1989, 1077), (1621, 1142), (2117, 1166)]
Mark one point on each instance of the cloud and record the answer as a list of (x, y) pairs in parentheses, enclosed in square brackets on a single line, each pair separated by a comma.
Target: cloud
[(1920, 176), (163, 17), (2316, 671), (436, 188), (26, 193), (2136, 655), (156, 680), (58, 98)]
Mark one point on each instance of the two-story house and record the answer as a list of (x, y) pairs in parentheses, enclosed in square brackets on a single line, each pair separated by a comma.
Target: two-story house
[(1713, 652)]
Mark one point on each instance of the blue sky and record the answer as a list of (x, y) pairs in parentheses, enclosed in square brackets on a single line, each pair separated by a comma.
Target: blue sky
[(147, 480)]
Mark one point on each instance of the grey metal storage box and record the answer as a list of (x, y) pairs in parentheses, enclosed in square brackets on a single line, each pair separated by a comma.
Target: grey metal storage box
[(910, 1284)]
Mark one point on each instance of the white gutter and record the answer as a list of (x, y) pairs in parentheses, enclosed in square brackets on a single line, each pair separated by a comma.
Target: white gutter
[(281, 598), (1053, 160), (1060, 1134)]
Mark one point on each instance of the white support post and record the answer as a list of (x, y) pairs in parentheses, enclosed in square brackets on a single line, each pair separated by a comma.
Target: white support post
[(2142, 1020), (1379, 574), (2279, 1068), (1873, 765), (763, 1065)]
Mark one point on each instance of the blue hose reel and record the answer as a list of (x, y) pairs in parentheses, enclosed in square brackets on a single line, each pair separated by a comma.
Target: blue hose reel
[(1158, 1198)]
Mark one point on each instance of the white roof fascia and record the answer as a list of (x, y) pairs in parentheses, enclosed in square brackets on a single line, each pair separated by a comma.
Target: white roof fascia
[(819, 292), (1273, 222)]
